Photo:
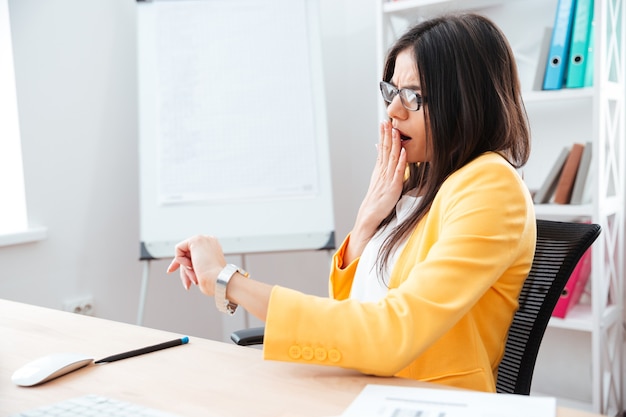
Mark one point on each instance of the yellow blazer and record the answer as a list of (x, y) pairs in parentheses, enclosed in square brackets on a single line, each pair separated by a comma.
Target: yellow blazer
[(452, 295)]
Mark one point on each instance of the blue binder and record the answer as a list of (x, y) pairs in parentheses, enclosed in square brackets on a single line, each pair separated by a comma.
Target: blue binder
[(559, 46), (579, 44), (590, 57)]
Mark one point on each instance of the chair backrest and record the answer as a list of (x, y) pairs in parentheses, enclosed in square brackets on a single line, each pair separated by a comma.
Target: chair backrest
[(560, 245)]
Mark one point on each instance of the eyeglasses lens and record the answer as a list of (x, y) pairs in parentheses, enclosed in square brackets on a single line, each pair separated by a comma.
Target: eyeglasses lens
[(388, 91), (408, 97)]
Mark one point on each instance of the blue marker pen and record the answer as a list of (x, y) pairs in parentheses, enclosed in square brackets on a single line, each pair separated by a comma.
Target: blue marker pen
[(147, 349)]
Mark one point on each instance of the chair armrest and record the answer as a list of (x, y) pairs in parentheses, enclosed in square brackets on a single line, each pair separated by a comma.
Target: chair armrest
[(248, 337)]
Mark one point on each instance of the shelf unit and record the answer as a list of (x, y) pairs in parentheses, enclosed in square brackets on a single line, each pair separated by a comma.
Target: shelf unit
[(596, 114)]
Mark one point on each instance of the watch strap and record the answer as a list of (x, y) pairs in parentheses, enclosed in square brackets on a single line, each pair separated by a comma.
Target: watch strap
[(223, 278)]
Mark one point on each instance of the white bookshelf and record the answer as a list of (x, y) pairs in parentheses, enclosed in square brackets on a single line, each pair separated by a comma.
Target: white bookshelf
[(593, 114)]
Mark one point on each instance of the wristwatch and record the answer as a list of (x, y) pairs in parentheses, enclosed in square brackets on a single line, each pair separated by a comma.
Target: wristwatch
[(222, 304)]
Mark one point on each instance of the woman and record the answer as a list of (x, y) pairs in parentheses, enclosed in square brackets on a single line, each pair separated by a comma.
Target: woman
[(426, 284)]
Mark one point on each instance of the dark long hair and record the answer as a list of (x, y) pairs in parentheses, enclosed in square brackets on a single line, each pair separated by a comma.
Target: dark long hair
[(468, 76)]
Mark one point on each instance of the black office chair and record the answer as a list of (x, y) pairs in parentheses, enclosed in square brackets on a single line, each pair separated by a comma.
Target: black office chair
[(560, 245)]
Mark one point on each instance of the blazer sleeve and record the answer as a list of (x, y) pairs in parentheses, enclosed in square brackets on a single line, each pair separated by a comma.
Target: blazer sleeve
[(341, 277), (478, 232)]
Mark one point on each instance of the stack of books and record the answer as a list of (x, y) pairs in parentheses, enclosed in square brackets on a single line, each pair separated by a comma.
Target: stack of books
[(568, 179), (566, 57)]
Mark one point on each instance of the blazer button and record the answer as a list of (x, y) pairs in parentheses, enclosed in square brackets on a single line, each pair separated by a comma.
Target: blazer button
[(334, 355), (307, 353), (295, 352), (320, 354)]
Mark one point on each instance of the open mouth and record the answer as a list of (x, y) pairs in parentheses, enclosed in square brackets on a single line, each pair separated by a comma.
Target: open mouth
[(403, 137)]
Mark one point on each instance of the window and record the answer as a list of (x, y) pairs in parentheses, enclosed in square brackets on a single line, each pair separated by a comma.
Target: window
[(13, 218)]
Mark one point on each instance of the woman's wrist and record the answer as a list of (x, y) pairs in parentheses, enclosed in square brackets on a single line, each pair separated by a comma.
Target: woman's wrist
[(250, 294), (222, 302), (355, 246)]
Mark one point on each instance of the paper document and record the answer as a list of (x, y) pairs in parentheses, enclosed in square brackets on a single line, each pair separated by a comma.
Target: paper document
[(390, 401), (231, 125)]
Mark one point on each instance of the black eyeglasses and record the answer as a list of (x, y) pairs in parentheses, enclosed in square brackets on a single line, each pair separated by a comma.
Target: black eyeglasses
[(410, 99)]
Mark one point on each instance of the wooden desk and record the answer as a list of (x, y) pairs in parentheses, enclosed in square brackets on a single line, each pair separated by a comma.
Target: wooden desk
[(203, 378)]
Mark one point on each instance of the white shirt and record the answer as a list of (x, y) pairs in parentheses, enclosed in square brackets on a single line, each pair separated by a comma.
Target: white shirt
[(367, 284)]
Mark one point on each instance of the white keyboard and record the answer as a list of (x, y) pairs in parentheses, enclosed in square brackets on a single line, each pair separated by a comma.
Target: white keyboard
[(96, 406)]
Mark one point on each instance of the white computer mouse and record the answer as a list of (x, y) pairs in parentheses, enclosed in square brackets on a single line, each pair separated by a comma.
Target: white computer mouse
[(49, 367)]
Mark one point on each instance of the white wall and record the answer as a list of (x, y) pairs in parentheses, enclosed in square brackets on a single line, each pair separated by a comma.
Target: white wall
[(75, 76), (76, 83)]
